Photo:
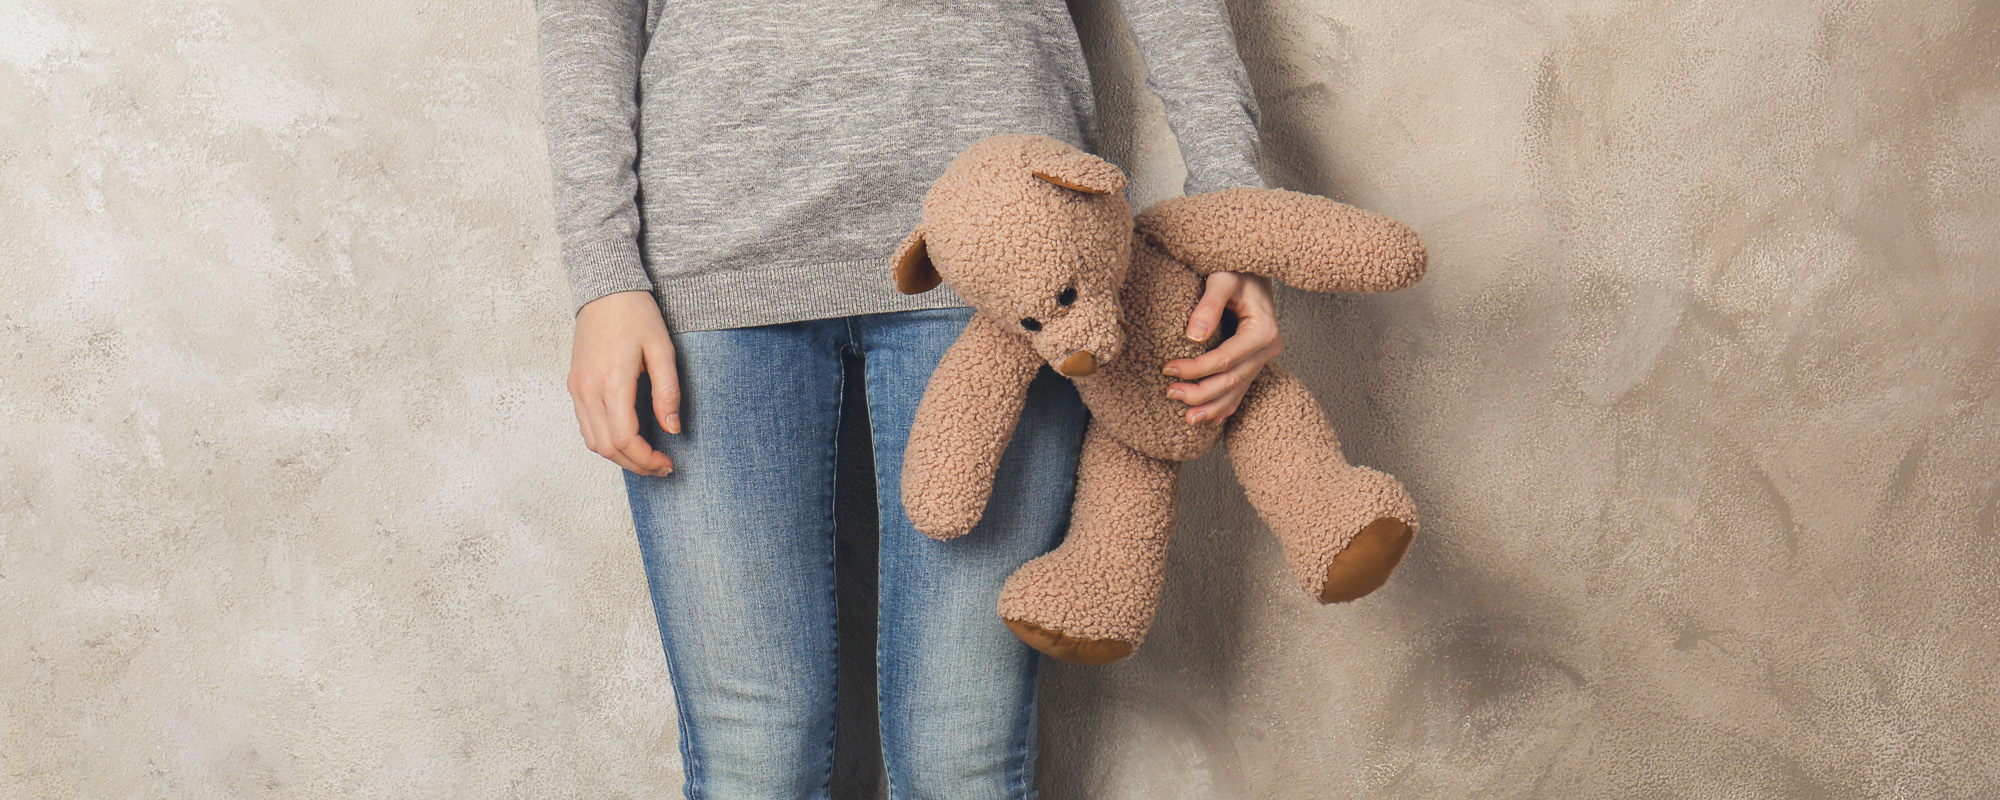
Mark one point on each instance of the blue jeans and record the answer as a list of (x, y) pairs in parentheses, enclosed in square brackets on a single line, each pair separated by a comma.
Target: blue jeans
[(738, 545)]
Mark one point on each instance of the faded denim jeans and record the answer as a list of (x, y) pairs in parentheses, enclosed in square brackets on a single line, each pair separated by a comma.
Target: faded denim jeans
[(738, 546)]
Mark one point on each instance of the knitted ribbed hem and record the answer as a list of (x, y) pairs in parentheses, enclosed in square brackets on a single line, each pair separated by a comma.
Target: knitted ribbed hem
[(776, 294), (595, 271)]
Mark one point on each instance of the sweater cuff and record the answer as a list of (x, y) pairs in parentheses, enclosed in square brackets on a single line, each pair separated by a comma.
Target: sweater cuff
[(597, 270)]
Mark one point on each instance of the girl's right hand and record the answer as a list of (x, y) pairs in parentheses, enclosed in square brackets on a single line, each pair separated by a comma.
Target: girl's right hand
[(619, 336)]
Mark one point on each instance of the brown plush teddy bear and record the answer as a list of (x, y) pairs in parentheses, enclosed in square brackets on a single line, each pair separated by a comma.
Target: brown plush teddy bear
[(1037, 236)]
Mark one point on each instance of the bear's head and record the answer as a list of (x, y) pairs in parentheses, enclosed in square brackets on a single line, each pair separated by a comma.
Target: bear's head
[(1035, 234)]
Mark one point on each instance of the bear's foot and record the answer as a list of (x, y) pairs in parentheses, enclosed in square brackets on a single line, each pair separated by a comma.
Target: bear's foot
[(1365, 564), (1090, 600), (1344, 528), (1074, 649), (1344, 532), (1083, 604)]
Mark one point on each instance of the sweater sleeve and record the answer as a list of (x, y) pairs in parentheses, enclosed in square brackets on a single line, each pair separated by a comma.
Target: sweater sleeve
[(590, 53), (1192, 65)]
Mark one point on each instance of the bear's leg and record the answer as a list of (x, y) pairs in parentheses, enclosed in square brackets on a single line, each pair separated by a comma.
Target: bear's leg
[(1090, 600), (1344, 528)]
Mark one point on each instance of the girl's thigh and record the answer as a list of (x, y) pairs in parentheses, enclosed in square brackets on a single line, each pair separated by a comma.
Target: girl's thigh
[(737, 544), (957, 688)]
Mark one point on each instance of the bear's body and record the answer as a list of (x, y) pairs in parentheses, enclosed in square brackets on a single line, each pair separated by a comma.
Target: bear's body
[(1037, 237), (1131, 389)]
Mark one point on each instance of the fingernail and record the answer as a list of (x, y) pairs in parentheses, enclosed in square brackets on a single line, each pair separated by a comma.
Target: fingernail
[(1176, 394), (1172, 372), (1198, 416), (673, 423), (1197, 332)]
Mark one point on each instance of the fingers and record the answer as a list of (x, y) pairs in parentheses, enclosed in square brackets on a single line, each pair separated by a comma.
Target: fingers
[(1235, 376), (1214, 382), (1214, 413), (1250, 298), (1253, 335), (1207, 316), (623, 419), (666, 384), (597, 401), (1214, 398)]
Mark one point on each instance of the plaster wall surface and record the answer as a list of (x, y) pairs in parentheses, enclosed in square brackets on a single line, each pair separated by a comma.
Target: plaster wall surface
[(1698, 401)]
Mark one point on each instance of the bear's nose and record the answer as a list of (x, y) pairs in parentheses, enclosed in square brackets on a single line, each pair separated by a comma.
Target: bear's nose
[(1079, 364)]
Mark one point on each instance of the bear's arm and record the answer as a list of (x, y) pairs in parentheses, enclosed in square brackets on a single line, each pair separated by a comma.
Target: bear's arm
[(1294, 238), (962, 427)]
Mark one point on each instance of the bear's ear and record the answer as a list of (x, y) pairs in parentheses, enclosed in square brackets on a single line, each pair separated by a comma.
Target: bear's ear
[(915, 274), (1063, 165)]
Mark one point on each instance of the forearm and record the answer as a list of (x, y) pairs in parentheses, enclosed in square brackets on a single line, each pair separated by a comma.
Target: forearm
[(590, 52), (1193, 66)]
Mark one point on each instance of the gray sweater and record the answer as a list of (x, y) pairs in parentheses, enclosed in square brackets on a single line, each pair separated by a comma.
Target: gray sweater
[(757, 161)]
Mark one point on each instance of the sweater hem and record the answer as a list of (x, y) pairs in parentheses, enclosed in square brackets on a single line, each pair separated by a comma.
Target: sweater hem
[(787, 293)]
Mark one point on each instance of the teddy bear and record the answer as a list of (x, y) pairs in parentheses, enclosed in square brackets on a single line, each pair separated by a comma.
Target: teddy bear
[(1037, 237)]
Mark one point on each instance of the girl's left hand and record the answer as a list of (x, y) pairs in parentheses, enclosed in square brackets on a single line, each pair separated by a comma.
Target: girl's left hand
[(1214, 382)]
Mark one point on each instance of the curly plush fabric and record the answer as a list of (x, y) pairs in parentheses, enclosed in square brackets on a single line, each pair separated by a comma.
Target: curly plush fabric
[(963, 425), (1036, 235), (1289, 237)]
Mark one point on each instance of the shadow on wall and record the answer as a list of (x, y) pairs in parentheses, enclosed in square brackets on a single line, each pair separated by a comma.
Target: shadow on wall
[(1161, 724), (1180, 718)]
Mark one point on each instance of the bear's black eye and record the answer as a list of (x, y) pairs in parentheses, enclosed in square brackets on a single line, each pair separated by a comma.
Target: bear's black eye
[(1031, 323), (1067, 297)]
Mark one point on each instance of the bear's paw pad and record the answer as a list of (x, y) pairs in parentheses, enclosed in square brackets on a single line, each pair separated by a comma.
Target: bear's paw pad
[(1074, 649), (1365, 563)]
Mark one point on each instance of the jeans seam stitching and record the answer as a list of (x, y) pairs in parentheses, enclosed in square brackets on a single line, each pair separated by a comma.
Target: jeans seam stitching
[(832, 559)]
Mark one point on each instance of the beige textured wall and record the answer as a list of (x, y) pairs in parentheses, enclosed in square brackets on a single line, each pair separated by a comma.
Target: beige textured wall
[(1699, 402)]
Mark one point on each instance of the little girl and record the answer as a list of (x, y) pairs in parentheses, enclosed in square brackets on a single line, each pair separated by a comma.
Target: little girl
[(731, 177)]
